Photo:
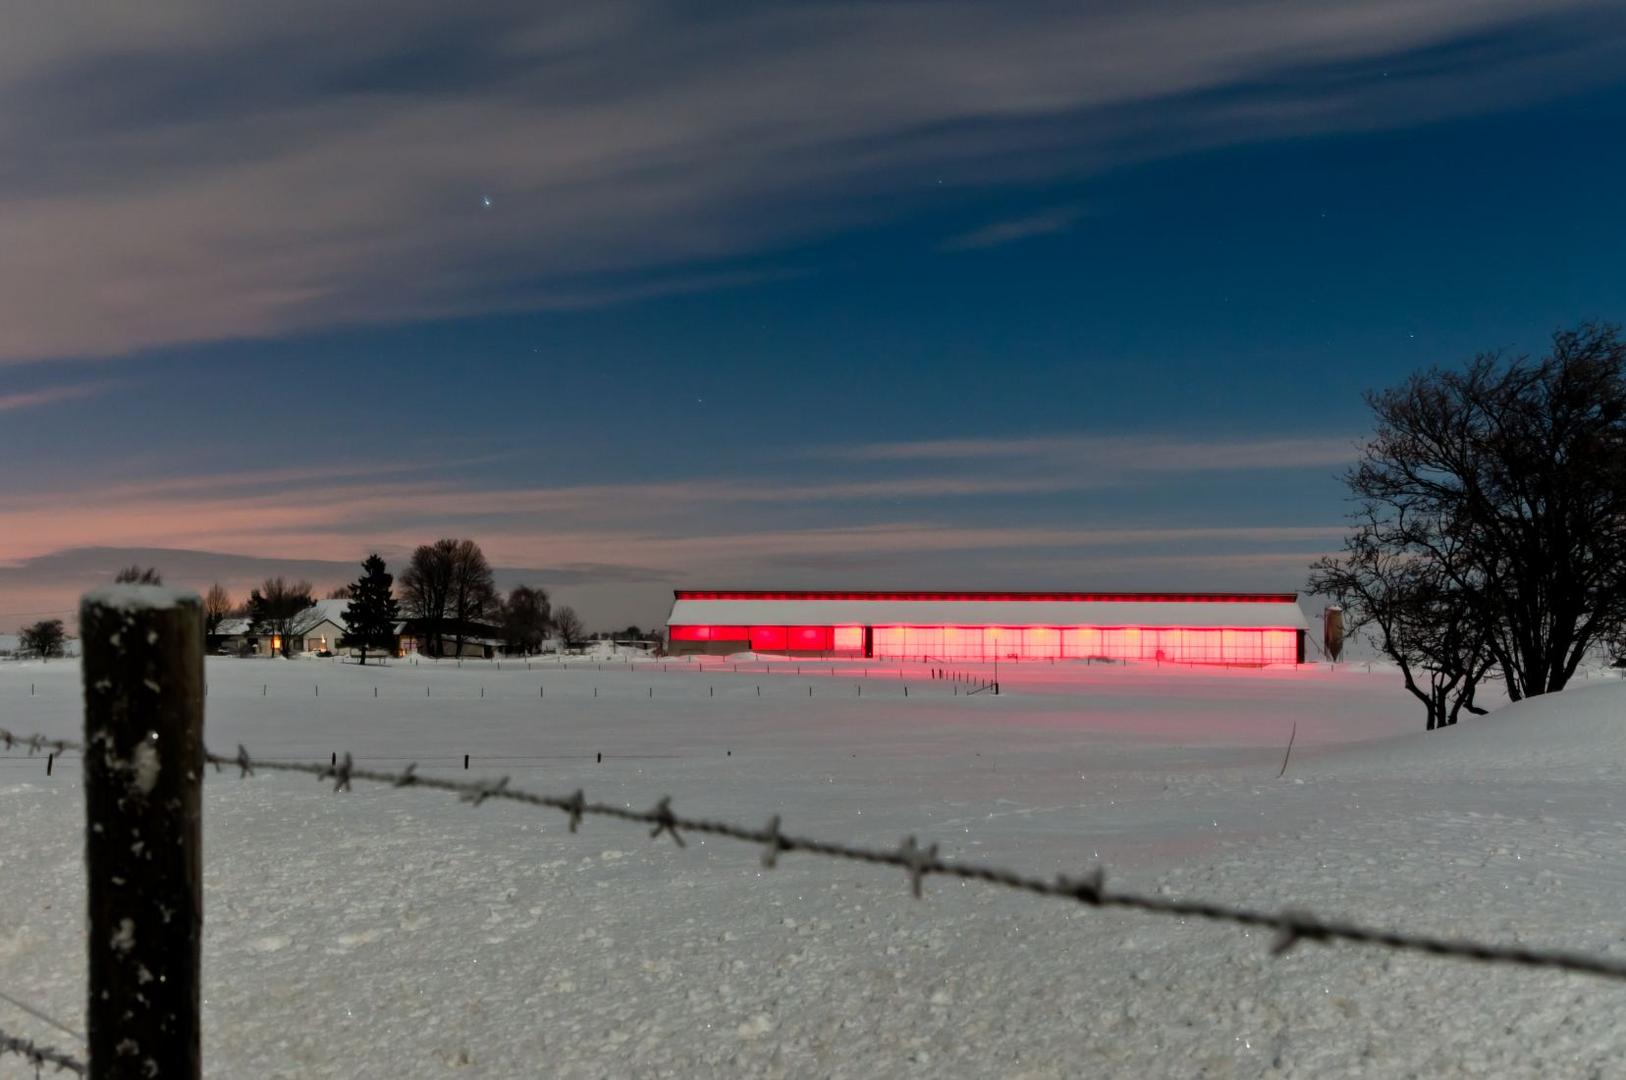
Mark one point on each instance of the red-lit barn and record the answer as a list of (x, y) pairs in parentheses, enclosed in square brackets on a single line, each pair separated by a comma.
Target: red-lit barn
[(1192, 628)]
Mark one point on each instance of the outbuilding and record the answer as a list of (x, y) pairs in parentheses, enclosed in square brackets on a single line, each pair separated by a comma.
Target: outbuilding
[(1191, 628)]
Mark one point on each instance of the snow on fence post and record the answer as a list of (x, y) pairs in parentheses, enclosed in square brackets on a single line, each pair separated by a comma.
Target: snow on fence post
[(143, 672)]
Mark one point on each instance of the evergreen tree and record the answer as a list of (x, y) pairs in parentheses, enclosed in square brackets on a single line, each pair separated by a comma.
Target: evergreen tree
[(370, 619)]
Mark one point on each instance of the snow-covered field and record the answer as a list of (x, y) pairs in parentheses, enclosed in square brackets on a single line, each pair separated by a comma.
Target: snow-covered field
[(389, 933)]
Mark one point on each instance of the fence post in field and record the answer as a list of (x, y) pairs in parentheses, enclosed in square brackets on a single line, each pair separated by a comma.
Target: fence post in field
[(143, 672)]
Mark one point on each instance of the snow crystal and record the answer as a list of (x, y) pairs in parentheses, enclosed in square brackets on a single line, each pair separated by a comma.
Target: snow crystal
[(124, 937), (144, 768)]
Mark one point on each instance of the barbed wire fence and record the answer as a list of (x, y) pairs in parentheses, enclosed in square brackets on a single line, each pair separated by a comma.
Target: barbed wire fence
[(1090, 889), (1291, 926)]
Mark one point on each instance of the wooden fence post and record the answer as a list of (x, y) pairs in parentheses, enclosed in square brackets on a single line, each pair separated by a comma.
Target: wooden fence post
[(143, 672)]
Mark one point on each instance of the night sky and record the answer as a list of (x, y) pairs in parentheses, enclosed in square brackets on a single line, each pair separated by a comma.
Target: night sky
[(819, 294)]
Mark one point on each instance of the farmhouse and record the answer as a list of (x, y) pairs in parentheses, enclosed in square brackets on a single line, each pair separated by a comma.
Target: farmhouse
[(319, 628), (1191, 628)]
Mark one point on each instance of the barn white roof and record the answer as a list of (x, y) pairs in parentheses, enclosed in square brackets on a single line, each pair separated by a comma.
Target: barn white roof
[(754, 608)]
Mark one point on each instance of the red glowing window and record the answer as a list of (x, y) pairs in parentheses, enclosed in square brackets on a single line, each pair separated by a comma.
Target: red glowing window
[(962, 643), (810, 638), (847, 638), (709, 633), (1081, 642), (768, 639), (1042, 642)]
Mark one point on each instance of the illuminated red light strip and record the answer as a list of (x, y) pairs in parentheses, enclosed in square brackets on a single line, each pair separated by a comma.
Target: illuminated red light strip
[(716, 632), (996, 597)]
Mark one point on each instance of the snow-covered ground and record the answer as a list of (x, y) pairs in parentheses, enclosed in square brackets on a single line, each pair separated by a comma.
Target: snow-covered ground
[(390, 933)]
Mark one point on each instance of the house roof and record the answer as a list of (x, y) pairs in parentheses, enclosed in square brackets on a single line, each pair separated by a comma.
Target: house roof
[(332, 611), (318, 613)]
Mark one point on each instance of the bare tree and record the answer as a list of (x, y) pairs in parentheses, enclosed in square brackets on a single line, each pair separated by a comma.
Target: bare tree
[(45, 639), (1507, 480), (1415, 614), (1616, 647), (473, 594), (217, 608), (274, 607), (526, 616), (138, 575), (568, 625), (426, 584), (449, 581), (339, 592)]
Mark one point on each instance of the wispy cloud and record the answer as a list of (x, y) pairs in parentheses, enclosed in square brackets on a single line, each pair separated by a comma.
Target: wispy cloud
[(263, 510), (212, 170), (19, 400), (999, 233), (335, 513), (1145, 453)]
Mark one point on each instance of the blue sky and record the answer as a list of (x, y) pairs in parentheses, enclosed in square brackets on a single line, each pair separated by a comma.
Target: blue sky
[(834, 294)]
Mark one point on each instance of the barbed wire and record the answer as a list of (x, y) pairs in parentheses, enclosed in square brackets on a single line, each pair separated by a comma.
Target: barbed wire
[(36, 743), (1291, 926), (40, 1015), (40, 1056)]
